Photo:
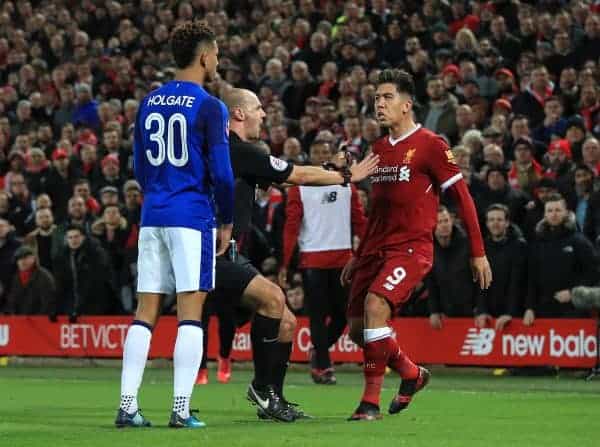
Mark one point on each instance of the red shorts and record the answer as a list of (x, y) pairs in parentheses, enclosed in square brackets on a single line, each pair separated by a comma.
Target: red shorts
[(392, 275)]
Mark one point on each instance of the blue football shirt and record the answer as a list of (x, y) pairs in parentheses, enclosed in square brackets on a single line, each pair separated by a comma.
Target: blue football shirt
[(181, 158)]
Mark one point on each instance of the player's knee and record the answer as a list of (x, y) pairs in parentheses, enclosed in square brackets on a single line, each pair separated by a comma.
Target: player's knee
[(376, 308), (274, 301)]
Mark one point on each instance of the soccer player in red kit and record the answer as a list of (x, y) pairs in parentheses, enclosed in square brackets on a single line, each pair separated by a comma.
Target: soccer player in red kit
[(397, 250)]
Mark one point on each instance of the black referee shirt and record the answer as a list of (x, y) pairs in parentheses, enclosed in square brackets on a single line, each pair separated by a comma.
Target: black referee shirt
[(252, 167)]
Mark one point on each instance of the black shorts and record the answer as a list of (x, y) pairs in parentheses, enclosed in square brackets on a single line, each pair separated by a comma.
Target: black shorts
[(231, 281)]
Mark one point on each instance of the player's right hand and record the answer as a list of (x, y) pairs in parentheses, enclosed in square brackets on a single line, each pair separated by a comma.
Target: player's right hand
[(347, 272), (482, 272), (365, 168), (224, 238)]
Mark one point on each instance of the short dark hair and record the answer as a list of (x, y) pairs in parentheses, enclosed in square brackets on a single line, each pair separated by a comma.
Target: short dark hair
[(185, 40), (401, 79), (583, 167), (75, 227), (518, 117), (82, 181), (321, 143), (555, 197), (554, 98), (433, 77), (498, 207)]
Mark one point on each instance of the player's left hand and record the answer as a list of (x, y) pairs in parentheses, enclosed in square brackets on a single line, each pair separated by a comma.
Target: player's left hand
[(224, 238), (482, 272), (365, 168)]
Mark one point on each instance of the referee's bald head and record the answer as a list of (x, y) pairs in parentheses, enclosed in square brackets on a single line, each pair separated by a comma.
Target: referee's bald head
[(246, 113), (239, 98)]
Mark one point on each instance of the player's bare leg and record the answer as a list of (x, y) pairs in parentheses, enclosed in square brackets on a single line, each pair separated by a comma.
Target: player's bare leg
[(187, 356), (135, 355), (379, 350), (268, 301)]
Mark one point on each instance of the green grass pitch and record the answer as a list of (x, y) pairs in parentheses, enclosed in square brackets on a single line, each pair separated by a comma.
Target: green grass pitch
[(76, 407)]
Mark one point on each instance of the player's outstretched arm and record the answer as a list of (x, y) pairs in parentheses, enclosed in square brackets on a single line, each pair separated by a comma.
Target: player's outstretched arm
[(317, 176)]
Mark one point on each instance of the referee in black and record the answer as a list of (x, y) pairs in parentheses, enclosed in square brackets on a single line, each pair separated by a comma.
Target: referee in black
[(237, 281)]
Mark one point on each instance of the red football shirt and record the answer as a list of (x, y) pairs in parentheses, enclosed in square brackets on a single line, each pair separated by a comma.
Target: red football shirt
[(405, 191)]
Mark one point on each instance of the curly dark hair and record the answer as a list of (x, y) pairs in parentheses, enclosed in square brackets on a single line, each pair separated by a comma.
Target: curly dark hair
[(401, 79), (185, 39)]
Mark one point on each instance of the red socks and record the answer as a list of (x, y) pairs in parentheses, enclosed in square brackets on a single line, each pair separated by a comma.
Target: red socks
[(400, 362), (377, 355)]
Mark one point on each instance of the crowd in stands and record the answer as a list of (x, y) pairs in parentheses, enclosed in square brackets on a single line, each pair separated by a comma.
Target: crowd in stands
[(511, 85)]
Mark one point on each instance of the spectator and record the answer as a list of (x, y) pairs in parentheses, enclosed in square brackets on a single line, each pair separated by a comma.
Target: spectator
[(498, 190), (590, 152), (554, 125), (525, 171), (109, 195), (575, 135), (559, 258), (83, 190), (317, 54), (132, 192), (43, 239), (110, 175), (507, 252), (563, 56), (461, 18), (450, 282), (301, 88), (557, 161), (275, 78), (77, 215), (531, 102), (66, 109), (578, 193), (465, 120), (59, 185), (84, 277), (439, 115), (16, 166), (534, 213), (8, 247), (589, 48), (33, 290), (23, 122), (86, 112), (354, 141), (21, 204)]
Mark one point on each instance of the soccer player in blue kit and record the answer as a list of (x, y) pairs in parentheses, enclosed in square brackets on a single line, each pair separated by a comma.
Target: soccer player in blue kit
[(181, 160)]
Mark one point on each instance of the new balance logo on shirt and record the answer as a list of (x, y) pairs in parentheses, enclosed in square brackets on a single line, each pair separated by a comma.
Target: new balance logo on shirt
[(329, 197)]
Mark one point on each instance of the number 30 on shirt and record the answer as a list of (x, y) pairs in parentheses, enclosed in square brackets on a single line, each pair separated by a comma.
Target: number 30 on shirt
[(166, 149)]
